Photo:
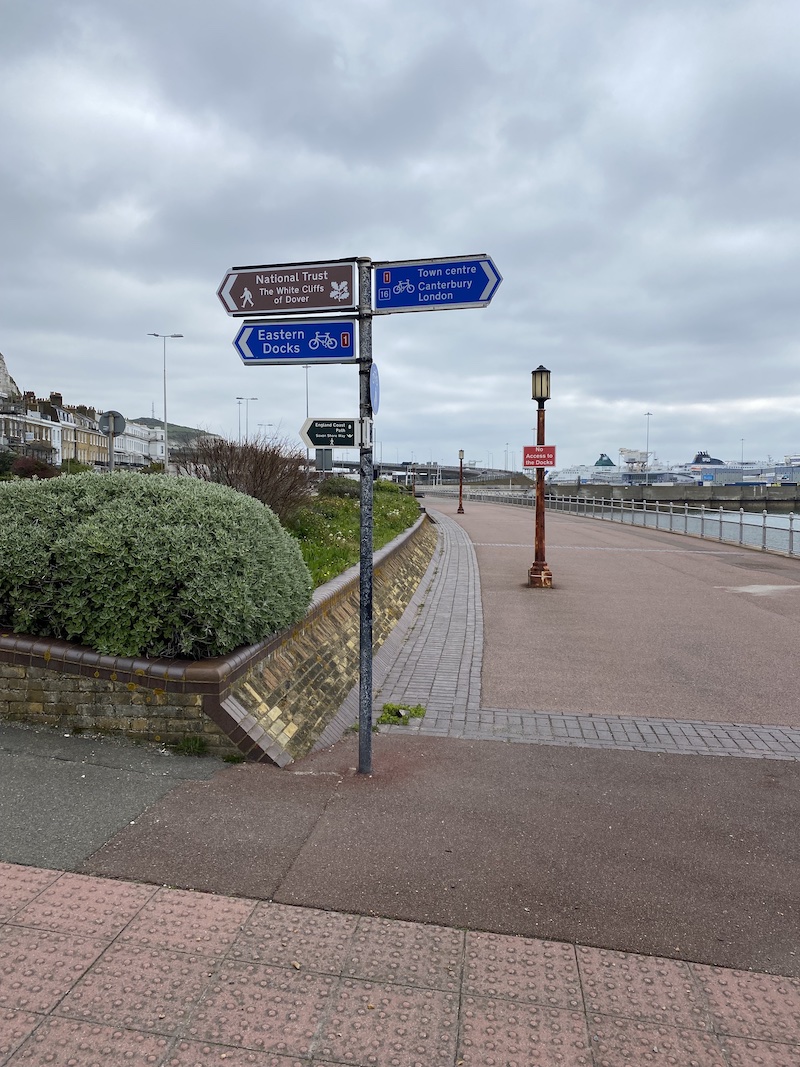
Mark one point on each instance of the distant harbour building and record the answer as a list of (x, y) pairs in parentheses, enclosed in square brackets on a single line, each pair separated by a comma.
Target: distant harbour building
[(704, 469)]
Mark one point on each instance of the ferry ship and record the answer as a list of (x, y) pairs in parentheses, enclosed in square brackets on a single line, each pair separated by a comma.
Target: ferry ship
[(633, 469)]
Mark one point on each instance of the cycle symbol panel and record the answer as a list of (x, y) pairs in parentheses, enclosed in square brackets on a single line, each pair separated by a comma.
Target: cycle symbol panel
[(297, 341)]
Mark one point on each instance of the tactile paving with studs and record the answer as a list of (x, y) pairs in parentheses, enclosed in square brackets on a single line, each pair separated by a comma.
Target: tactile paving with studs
[(179, 979)]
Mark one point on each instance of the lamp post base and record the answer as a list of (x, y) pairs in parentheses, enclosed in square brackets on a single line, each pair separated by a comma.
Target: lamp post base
[(540, 576)]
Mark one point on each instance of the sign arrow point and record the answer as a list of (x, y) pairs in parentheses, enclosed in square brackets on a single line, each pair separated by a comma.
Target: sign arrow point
[(225, 294)]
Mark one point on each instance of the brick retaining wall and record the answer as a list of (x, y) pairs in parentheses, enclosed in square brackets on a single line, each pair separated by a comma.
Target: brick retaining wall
[(269, 701)]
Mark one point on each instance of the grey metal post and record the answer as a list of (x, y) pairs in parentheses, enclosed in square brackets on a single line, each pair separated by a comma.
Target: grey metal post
[(764, 531), (111, 429), (366, 496), (791, 533)]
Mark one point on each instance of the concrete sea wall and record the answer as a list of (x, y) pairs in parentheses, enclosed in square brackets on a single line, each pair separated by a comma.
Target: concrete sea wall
[(773, 498)]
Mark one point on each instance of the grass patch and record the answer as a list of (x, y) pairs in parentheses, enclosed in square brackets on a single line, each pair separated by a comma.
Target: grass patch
[(400, 714), (191, 745), (328, 529)]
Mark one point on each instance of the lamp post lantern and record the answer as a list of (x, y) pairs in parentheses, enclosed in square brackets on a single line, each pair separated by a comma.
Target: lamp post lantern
[(540, 576), (460, 482), (164, 336)]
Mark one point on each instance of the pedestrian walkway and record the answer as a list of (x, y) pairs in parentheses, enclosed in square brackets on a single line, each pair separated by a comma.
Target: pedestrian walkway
[(437, 660), (103, 972), (598, 895)]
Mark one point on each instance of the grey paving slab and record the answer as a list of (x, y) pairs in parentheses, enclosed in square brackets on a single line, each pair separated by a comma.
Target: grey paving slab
[(62, 796), (433, 655)]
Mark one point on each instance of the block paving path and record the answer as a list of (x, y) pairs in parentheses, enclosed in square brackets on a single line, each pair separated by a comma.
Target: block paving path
[(98, 971), (438, 657)]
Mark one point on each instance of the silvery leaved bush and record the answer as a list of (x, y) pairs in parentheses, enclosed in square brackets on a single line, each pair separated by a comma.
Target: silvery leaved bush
[(154, 566)]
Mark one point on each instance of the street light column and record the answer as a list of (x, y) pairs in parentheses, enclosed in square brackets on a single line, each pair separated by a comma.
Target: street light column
[(164, 337), (540, 576), (647, 450), (460, 482)]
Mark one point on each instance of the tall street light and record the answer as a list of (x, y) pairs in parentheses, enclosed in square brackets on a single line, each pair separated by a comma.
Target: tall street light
[(647, 415), (247, 400), (164, 336), (540, 576), (460, 482)]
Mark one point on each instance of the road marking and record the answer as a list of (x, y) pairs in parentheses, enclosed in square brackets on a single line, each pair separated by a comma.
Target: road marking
[(603, 548), (757, 590)]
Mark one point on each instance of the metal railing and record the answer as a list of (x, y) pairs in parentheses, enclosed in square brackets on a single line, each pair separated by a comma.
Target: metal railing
[(765, 530)]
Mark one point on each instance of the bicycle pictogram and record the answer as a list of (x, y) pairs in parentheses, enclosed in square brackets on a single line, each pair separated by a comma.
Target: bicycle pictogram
[(323, 339), (404, 286)]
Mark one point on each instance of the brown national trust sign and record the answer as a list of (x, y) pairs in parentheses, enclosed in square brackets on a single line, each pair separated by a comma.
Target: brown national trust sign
[(291, 287)]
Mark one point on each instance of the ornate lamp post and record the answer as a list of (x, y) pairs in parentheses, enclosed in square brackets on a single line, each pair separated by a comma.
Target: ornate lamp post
[(540, 576), (460, 482)]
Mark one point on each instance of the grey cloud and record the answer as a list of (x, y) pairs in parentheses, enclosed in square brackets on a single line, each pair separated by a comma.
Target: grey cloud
[(632, 169)]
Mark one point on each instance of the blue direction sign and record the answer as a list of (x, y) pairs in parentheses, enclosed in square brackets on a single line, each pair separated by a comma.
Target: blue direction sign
[(435, 284), (295, 341)]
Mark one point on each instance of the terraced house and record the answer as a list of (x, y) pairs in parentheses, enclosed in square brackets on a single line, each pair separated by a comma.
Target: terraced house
[(54, 432)]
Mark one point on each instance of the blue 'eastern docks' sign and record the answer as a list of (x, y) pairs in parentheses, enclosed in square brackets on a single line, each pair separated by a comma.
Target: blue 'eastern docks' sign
[(296, 341), (435, 284)]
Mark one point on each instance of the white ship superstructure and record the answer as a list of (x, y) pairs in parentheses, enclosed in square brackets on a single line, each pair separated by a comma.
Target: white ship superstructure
[(633, 468)]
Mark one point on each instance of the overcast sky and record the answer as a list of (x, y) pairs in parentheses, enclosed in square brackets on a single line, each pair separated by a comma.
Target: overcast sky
[(631, 166)]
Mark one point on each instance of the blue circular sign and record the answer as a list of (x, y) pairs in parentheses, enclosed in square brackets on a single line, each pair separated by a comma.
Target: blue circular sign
[(374, 388)]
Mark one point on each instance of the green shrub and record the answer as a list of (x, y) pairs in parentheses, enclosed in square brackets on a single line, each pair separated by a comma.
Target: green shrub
[(339, 486), (72, 466), (7, 458), (328, 529), (156, 566)]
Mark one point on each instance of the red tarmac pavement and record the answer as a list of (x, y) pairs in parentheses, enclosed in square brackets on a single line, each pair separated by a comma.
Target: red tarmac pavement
[(473, 902), (639, 622)]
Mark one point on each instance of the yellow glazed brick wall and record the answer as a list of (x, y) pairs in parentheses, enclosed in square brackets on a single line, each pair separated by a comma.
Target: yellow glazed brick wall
[(295, 691)]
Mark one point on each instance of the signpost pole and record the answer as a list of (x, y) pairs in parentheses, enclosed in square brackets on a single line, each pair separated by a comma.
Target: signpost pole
[(366, 471)]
